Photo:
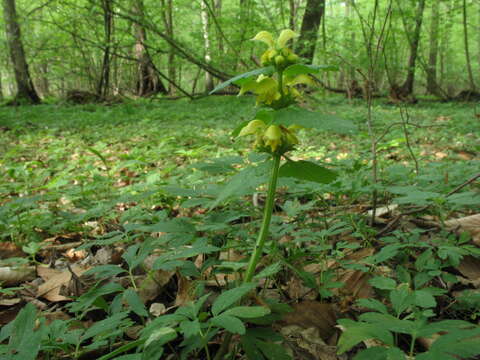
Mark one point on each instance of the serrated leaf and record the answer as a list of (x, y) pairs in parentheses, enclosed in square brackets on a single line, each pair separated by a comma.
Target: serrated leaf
[(305, 170), (105, 271), (135, 303), (230, 297), (264, 70), (424, 299), (248, 312), (229, 323)]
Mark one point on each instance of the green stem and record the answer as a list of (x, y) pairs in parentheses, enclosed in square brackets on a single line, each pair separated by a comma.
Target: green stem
[(262, 236), (267, 216)]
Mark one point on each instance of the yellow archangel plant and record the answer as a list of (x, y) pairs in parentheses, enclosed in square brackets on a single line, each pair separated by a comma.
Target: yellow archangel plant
[(277, 90), (276, 87)]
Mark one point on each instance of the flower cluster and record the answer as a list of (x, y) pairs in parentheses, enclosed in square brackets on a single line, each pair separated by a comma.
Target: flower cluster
[(275, 91), (274, 139)]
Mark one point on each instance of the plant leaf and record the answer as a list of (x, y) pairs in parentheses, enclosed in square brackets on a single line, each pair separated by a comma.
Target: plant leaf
[(248, 311), (230, 297), (264, 70), (305, 170), (135, 303), (230, 323)]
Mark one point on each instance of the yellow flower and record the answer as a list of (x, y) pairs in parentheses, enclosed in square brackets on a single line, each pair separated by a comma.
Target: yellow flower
[(277, 51), (273, 137), (253, 127), (265, 87)]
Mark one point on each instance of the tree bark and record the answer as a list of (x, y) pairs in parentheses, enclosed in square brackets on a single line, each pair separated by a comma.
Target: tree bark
[(147, 82), (432, 85), (167, 12), (104, 81), (467, 48), (407, 88), (207, 46), (25, 90), (314, 12)]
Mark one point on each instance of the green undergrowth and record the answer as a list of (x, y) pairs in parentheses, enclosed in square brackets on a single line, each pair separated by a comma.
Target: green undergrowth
[(167, 178)]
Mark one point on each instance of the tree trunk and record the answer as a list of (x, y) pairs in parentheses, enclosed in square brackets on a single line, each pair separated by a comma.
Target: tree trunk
[(432, 85), (25, 89), (104, 81), (314, 11), (207, 46), (148, 82), (407, 87), (168, 23), (467, 48), (1, 88)]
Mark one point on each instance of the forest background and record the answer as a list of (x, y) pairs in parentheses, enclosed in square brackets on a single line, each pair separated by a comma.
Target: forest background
[(184, 48)]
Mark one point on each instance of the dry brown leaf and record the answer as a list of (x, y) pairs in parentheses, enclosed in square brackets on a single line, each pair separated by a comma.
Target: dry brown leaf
[(75, 255), (14, 275), (307, 343), (50, 289), (56, 281), (184, 293), (313, 314), (470, 267), (470, 224), (296, 290), (10, 302), (9, 249)]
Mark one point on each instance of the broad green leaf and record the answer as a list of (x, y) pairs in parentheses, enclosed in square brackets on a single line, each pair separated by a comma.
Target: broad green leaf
[(230, 297), (229, 323), (24, 342), (190, 328), (462, 344), (135, 303), (299, 69), (250, 348), (264, 70), (424, 299), (383, 283), (272, 351), (305, 170), (373, 304), (161, 336), (107, 326), (248, 312), (401, 299), (313, 120), (244, 181), (380, 353), (105, 271), (86, 300), (391, 323), (356, 332)]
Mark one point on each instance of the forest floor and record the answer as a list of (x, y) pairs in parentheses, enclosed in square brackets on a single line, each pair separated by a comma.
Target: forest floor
[(112, 217)]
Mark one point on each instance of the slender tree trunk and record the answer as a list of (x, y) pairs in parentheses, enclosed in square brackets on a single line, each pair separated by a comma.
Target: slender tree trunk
[(1, 88), (407, 87), (148, 82), (104, 81), (25, 89), (467, 48), (168, 23), (207, 45), (314, 12), (432, 85)]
